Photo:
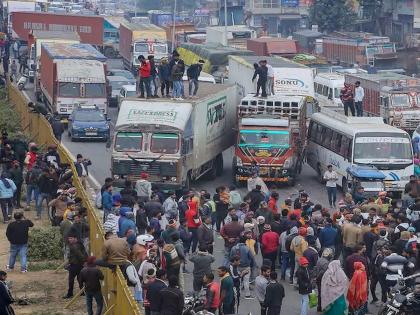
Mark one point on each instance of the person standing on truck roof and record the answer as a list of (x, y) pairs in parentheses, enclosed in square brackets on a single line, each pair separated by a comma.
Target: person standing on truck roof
[(164, 73), (359, 95), (177, 72), (270, 80), (145, 77), (261, 70), (153, 76), (346, 96), (193, 74)]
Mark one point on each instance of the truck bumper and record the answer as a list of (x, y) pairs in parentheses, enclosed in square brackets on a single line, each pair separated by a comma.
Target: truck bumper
[(394, 186), (269, 174)]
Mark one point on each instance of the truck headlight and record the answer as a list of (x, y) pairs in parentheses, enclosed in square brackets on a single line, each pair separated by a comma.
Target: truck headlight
[(288, 163), (173, 179), (239, 161)]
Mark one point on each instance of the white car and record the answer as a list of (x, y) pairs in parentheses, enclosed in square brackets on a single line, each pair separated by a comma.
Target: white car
[(204, 77), (126, 91)]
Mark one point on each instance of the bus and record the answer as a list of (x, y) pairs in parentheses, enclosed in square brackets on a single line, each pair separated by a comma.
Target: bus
[(365, 141), (327, 87)]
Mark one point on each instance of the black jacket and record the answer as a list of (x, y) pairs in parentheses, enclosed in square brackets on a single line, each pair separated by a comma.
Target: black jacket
[(5, 300), (171, 301), (256, 198), (304, 280), (17, 231), (78, 166), (274, 294), (194, 71), (57, 127), (153, 296), (47, 184), (262, 72)]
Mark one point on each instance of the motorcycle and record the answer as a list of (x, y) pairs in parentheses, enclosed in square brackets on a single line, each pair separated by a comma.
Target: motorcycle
[(404, 300), (194, 304), (22, 81)]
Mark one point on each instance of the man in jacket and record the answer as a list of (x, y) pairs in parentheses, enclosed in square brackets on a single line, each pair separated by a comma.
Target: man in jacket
[(270, 245), (170, 206), (352, 235), (177, 72), (81, 165), (247, 262), (261, 283), (230, 233), (107, 201), (261, 71), (164, 77), (202, 261), (57, 127), (153, 75), (256, 196), (153, 292), (358, 255), (115, 251), (7, 191), (212, 293), (143, 188), (304, 284), (91, 277), (16, 175), (205, 235), (274, 295), (145, 77), (6, 298), (47, 187), (76, 258), (193, 74), (171, 298), (17, 235)]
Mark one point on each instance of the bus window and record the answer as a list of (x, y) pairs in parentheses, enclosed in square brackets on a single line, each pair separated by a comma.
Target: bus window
[(325, 90), (336, 142), (345, 148), (330, 93), (326, 141), (318, 137), (319, 89)]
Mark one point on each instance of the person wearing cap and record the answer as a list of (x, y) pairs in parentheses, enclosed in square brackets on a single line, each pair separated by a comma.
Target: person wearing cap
[(269, 245), (143, 188), (91, 277), (320, 269), (193, 73), (330, 177), (81, 166), (299, 244), (115, 251), (304, 284), (164, 77), (126, 221)]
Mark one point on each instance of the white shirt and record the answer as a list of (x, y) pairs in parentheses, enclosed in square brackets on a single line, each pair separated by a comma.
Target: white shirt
[(359, 94), (84, 173), (270, 71), (331, 178)]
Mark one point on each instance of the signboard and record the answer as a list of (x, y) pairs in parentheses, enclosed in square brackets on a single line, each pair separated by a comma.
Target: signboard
[(293, 81), (216, 122), (381, 140)]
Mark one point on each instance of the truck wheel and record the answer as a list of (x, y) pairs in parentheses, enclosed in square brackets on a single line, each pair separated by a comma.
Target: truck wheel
[(213, 171), (109, 52), (219, 164), (187, 183)]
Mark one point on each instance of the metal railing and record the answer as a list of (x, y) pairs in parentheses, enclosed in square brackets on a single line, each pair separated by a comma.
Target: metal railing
[(117, 296)]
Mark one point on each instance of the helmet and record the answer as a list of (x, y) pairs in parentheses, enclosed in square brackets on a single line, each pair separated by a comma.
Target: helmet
[(144, 239)]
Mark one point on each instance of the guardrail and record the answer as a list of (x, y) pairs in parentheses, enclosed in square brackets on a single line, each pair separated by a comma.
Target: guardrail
[(117, 295)]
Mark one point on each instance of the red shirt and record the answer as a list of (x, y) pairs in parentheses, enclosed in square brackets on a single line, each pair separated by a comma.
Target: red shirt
[(145, 70), (270, 242), (189, 216), (32, 159), (272, 205), (213, 292)]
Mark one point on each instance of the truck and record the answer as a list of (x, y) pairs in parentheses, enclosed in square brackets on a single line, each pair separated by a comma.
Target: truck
[(272, 46), (72, 75), (363, 49), (90, 28), (393, 96), (141, 39), (170, 141), (37, 38), (236, 35)]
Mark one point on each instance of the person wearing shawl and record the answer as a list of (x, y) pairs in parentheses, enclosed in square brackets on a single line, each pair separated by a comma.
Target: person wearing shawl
[(333, 287), (357, 295)]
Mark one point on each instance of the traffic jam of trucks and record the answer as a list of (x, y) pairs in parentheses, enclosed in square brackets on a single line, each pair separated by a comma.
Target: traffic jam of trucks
[(67, 60)]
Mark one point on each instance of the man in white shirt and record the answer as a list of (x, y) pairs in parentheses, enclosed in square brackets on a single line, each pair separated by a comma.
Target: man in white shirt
[(331, 178), (270, 80), (359, 94)]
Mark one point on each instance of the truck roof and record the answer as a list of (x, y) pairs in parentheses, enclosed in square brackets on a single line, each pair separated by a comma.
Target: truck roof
[(73, 70), (142, 26), (276, 62), (73, 51), (391, 79), (56, 35)]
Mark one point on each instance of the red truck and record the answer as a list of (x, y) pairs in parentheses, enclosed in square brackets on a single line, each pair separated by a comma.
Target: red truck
[(363, 48), (270, 46), (89, 27)]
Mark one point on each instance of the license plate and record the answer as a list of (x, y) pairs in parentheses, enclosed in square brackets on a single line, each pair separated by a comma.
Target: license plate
[(91, 133)]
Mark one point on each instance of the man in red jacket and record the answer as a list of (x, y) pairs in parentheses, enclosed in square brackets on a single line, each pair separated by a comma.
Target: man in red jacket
[(145, 76), (270, 245), (193, 222)]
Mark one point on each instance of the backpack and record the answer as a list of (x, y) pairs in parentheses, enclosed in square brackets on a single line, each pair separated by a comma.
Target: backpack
[(289, 240), (98, 200)]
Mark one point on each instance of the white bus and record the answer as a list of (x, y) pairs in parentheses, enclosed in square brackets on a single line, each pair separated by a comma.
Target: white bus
[(344, 141), (327, 87)]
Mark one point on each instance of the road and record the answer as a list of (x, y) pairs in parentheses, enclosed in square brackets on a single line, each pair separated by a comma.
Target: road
[(100, 169)]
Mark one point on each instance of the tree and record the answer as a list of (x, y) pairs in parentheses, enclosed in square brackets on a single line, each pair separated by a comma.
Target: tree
[(372, 10), (331, 15)]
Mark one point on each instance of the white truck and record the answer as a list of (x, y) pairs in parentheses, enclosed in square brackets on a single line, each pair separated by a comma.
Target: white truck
[(175, 142)]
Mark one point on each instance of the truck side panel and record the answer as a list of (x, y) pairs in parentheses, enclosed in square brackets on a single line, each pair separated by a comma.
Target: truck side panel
[(47, 73), (126, 37), (89, 28), (218, 115)]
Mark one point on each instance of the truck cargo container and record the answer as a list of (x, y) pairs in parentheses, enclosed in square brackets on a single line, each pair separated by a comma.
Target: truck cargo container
[(160, 18), (362, 48), (141, 39), (112, 35), (236, 35), (180, 29), (175, 142), (270, 46), (89, 27), (392, 96), (72, 75)]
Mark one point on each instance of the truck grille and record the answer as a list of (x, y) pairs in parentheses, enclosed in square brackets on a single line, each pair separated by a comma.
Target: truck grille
[(134, 169), (410, 124)]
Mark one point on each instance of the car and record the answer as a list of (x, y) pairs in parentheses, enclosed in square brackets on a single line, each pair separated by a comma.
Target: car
[(122, 73), (115, 83), (88, 122), (126, 91)]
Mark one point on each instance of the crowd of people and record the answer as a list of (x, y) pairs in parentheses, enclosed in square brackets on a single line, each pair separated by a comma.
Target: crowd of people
[(168, 75)]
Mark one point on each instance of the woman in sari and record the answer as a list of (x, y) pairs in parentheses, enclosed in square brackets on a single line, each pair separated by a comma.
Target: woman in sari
[(333, 287), (357, 295)]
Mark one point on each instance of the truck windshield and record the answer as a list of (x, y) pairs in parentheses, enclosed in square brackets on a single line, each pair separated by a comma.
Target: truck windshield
[(389, 149), (68, 89), (164, 143), (94, 90), (264, 138), (128, 141), (141, 47), (160, 49), (400, 100)]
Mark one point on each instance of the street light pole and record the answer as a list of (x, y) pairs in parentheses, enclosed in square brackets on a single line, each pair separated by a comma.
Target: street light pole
[(173, 27), (135, 8), (225, 34)]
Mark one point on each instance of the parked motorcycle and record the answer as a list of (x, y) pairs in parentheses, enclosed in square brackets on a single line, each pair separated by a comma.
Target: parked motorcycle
[(22, 81), (194, 304)]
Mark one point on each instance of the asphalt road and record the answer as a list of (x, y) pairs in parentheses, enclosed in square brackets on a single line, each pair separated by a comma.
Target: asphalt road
[(100, 169)]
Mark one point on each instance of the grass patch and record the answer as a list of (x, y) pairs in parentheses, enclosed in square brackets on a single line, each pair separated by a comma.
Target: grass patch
[(44, 265)]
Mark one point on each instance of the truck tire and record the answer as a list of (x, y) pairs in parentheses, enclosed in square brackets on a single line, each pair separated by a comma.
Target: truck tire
[(212, 173), (187, 182), (109, 52), (219, 164)]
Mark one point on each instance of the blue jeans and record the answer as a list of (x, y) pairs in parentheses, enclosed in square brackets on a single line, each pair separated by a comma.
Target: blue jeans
[(332, 195), (304, 304), (192, 82), (177, 89), (99, 302), (284, 263), (194, 239), (31, 189), (14, 251), (39, 201)]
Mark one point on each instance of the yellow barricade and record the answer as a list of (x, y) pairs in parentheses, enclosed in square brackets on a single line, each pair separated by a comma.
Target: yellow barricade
[(117, 295)]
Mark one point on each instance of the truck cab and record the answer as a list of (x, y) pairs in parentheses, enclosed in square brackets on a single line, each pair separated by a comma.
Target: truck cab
[(270, 134)]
